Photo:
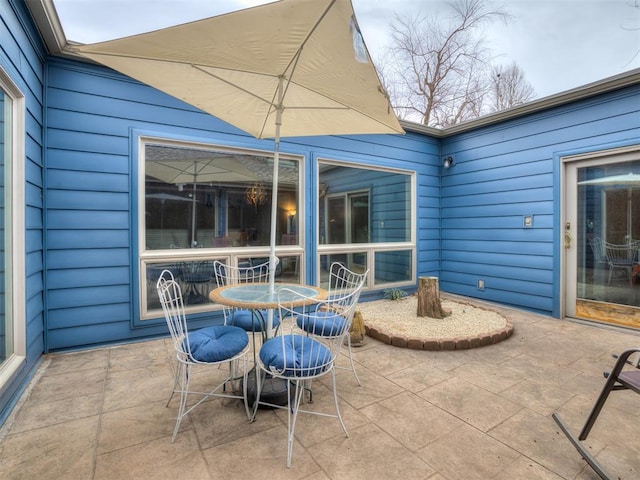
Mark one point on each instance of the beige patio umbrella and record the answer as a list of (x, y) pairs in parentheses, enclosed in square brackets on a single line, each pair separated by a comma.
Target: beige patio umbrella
[(288, 68)]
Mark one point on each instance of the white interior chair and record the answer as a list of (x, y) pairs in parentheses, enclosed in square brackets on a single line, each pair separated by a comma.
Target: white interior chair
[(216, 345), (253, 321), (342, 282), (299, 358), (621, 257)]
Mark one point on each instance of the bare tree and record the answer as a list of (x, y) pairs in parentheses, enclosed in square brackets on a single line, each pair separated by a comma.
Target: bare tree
[(509, 87), (437, 71), (633, 25)]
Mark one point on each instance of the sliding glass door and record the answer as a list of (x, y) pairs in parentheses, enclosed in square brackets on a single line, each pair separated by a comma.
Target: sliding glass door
[(602, 238)]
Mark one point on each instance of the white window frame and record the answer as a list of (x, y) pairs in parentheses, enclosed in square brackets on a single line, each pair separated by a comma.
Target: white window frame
[(15, 239), (230, 255), (370, 249)]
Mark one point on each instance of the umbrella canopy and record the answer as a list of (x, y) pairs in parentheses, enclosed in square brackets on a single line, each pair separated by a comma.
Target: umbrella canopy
[(626, 180), (288, 68), (307, 55)]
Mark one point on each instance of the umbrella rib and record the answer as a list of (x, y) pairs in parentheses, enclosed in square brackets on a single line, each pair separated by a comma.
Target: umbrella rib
[(231, 84), (291, 66)]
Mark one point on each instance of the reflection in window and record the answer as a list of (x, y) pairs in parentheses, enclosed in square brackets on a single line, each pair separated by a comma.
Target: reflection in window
[(392, 267), (206, 198), (359, 205), (355, 261), (609, 233), (196, 277)]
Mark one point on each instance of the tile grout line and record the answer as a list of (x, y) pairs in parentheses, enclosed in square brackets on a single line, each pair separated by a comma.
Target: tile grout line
[(100, 414)]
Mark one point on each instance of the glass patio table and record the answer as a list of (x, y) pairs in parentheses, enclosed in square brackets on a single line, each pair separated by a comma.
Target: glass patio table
[(257, 295)]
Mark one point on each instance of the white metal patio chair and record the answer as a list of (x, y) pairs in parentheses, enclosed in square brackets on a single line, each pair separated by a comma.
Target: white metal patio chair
[(299, 358), (342, 282), (249, 320), (216, 345)]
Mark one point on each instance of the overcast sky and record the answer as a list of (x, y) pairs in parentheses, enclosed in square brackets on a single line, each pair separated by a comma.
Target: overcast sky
[(560, 44)]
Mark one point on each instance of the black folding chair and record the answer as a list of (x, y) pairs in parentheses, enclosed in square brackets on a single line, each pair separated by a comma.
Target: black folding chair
[(617, 379)]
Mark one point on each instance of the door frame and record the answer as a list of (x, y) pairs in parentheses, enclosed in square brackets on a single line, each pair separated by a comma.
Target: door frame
[(569, 213)]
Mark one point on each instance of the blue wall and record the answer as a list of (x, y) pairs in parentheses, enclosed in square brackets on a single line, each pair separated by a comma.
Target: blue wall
[(22, 58), (93, 119), (510, 170)]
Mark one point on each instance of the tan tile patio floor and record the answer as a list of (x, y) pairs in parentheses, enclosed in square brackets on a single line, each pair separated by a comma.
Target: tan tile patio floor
[(483, 413)]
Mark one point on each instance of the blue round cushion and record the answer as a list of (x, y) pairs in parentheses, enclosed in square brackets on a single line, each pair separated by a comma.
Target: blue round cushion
[(323, 324), (217, 343), (245, 320), (295, 356)]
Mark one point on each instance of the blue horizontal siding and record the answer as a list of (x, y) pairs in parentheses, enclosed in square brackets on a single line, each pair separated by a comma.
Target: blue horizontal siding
[(92, 114), (506, 171), (22, 57), (93, 238)]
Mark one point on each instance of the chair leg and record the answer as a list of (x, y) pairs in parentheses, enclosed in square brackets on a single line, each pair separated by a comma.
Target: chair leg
[(335, 400), (175, 382), (292, 415), (584, 452), (353, 367), (260, 377), (245, 378), (184, 393)]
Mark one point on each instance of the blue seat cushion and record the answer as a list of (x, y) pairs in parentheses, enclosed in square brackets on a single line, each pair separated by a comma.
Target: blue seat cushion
[(217, 343), (295, 356), (323, 324), (245, 320)]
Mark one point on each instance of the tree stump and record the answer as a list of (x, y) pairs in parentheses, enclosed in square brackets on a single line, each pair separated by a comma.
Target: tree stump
[(429, 298), (357, 331)]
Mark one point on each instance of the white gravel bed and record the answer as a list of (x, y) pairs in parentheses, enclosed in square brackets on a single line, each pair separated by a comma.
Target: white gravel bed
[(400, 317)]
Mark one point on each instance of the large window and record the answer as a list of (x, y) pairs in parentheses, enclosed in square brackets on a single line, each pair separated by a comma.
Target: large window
[(365, 222), (199, 203)]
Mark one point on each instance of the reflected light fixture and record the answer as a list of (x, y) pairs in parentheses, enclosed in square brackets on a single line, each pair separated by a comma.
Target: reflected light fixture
[(255, 195), (448, 161)]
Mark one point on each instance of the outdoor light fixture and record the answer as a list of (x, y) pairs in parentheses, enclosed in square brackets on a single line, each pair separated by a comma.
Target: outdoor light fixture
[(448, 162), (255, 195)]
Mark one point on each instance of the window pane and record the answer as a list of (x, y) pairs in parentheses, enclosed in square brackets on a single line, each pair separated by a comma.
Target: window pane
[(6, 327), (336, 220), (356, 261), (392, 267), (608, 239), (197, 197), (360, 205)]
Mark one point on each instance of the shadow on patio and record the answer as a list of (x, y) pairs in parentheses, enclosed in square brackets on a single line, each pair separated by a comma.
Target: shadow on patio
[(483, 413)]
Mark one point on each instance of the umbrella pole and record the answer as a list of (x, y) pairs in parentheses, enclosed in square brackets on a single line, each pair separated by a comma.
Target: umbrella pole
[(274, 206), (193, 217)]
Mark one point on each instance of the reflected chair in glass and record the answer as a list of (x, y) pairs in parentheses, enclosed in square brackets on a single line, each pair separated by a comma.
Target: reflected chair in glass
[(215, 346), (625, 375), (298, 358), (599, 256), (342, 282), (196, 275), (621, 257), (249, 320)]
